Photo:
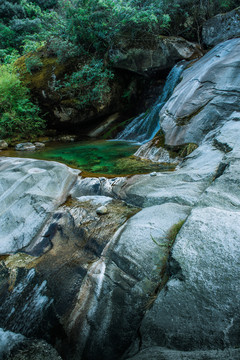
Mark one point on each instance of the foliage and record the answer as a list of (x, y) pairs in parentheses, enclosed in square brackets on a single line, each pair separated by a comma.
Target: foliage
[(33, 63), (90, 83), (21, 19), (18, 115)]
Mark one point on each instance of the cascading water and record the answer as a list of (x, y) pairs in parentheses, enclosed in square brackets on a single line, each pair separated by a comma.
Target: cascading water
[(144, 127)]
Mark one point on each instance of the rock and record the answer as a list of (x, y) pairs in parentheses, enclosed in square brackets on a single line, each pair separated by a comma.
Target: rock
[(25, 147), (203, 100), (43, 283), (67, 138), (3, 145), (104, 127), (120, 285), (163, 54), (98, 186), (39, 145), (30, 190), (158, 353), (33, 350), (221, 27), (153, 174), (197, 308), (102, 210), (183, 186), (113, 285), (151, 151), (8, 340)]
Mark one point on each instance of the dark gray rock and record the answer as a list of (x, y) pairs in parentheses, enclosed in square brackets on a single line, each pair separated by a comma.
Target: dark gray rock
[(163, 55), (221, 27), (33, 350), (157, 353)]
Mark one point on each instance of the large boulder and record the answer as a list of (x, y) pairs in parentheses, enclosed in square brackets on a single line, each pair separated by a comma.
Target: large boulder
[(158, 353), (120, 286), (162, 54), (197, 309), (30, 190), (221, 27), (206, 97)]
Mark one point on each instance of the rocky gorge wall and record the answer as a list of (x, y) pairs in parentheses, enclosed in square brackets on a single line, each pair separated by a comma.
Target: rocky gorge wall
[(104, 275)]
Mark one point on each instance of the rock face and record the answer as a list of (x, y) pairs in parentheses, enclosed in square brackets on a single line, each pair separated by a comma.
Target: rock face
[(221, 27), (122, 282), (163, 54), (166, 354), (30, 190), (156, 275), (204, 99)]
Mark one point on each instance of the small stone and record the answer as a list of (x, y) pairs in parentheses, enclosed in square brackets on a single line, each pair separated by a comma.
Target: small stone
[(67, 138), (102, 210), (39, 145), (153, 174), (25, 147), (3, 144)]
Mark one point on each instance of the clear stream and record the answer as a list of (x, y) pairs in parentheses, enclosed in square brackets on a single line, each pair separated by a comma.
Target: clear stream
[(99, 157)]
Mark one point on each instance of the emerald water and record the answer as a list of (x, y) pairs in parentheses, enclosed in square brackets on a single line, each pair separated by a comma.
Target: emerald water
[(98, 157)]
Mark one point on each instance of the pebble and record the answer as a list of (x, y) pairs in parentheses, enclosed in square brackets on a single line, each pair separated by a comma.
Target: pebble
[(102, 210)]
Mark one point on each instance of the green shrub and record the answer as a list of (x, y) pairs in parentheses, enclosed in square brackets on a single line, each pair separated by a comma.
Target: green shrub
[(89, 85), (33, 63), (18, 115)]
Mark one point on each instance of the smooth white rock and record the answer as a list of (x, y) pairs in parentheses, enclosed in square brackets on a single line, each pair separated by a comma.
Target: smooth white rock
[(29, 191)]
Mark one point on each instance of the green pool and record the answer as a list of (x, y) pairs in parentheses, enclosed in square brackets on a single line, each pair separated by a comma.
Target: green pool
[(99, 157)]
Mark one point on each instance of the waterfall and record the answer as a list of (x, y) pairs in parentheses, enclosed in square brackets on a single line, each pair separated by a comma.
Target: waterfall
[(145, 126)]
